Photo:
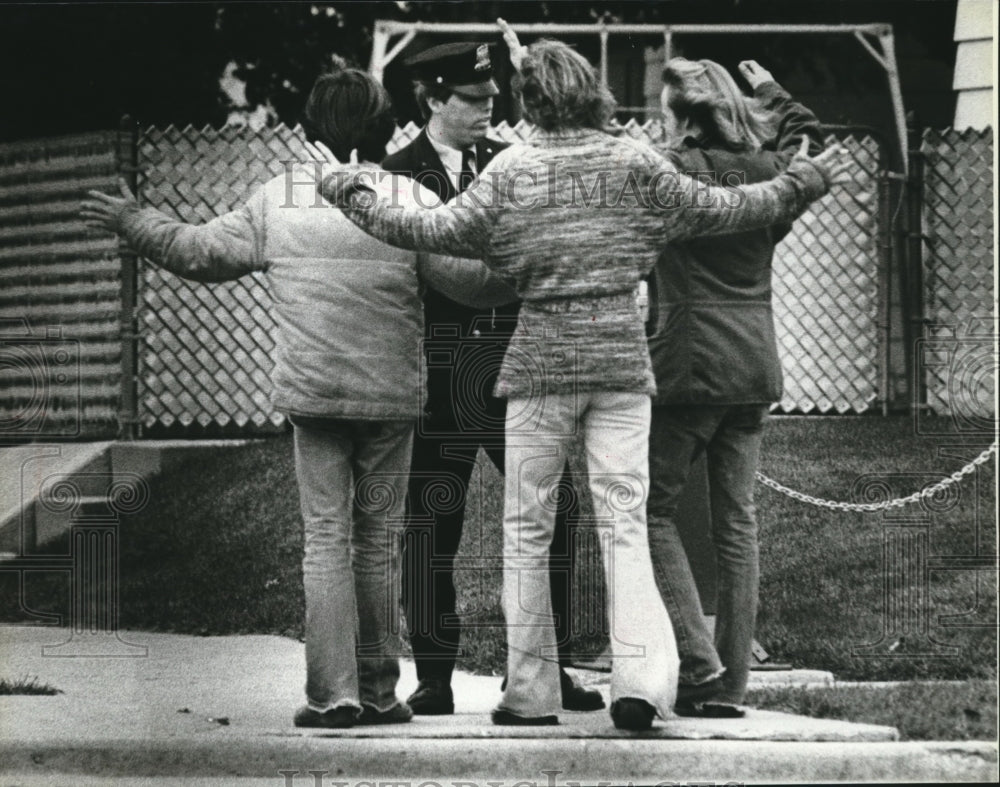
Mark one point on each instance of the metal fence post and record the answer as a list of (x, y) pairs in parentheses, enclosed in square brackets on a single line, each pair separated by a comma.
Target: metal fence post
[(913, 283), (884, 248), (128, 170)]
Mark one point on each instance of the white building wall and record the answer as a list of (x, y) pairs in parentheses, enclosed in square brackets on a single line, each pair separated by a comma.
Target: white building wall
[(975, 23)]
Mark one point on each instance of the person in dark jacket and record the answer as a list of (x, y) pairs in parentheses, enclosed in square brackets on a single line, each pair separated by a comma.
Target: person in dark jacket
[(715, 359), (463, 349)]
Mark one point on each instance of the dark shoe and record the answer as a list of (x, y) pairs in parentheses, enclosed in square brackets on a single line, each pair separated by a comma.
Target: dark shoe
[(703, 701), (506, 718), (335, 719), (432, 698), (576, 697), (630, 713), (699, 692), (709, 710), (400, 713)]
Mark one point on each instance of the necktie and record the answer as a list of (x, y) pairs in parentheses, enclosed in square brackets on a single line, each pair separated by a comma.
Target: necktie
[(468, 173)]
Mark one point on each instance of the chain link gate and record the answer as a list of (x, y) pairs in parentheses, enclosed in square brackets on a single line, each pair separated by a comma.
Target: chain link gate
[(831, 294), (205, 350)]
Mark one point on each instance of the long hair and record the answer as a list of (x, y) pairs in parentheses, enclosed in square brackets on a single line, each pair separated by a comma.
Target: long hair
[(560, 89), (349, 109), (704, 94)]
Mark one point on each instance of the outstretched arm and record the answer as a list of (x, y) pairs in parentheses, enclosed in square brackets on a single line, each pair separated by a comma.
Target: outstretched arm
[(693, 209), (390, 208), (469, 282), (221, 250)]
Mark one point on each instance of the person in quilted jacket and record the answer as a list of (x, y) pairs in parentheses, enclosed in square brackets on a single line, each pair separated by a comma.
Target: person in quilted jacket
[(349, 325)]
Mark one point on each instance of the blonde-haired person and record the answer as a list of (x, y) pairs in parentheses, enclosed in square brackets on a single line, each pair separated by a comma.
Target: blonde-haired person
[(574, 220), (701, 97), (716, 363)]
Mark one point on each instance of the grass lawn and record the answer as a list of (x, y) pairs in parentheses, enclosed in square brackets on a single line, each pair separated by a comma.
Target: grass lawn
[(964, 711), (877, 596), (218, 551)]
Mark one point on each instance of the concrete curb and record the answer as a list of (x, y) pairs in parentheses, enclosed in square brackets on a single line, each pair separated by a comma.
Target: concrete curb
[(179, 707), (294, 760)]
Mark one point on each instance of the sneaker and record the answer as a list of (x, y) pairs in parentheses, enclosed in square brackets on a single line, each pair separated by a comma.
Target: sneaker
[(334, 719), (433, 697), (576, 697), (506, 718), (633, 714), (400, 713)]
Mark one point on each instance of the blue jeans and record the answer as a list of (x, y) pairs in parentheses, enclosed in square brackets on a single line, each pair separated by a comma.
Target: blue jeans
[(352, 479), (730, 436), (615, 431)]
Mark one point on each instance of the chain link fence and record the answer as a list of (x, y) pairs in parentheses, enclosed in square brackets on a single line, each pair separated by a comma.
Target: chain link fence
[(829, 295), (206, 349), (203, 352), (957, 359)]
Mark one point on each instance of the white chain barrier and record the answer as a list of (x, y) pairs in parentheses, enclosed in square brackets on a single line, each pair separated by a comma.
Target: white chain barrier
[(899, 502)]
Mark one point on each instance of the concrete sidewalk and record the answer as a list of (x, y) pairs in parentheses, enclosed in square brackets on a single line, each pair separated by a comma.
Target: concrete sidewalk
[(172, 707)]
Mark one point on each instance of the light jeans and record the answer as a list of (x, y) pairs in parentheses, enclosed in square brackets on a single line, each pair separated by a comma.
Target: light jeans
[(352, 479), (615, 431), (730, 436)]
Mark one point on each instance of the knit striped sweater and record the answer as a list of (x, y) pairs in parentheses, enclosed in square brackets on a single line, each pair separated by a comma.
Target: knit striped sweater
[(573, 220)]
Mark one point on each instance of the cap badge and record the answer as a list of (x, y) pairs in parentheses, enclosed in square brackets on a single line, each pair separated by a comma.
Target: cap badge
[(482, 57)]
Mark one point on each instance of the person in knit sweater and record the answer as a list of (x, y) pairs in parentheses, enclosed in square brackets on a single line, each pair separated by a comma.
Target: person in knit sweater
[(716, 364), (574, 220), (454, 87), (352, 394)]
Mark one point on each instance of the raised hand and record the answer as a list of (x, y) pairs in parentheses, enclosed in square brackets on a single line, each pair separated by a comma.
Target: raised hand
[(754, 73), (104, 212), (321, 152), (517, 51), (834, 161)]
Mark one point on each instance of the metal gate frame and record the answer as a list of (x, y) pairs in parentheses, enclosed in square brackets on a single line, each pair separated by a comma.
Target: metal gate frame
[(882, 33)]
